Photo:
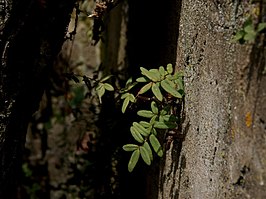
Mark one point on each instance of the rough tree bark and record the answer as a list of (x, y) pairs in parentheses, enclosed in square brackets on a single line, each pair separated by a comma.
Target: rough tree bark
[(223, 152), (31, 35)]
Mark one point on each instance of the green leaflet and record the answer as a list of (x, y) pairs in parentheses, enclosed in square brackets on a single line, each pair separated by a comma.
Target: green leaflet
[(161, 118), (156, 91), (148, 148), (251, 36), (140, 129), (169, 68), (100, 90), (133, 160), (108, 87), (155, 73), (129, 81), (164, 111), (123, 96), (130, 147), (162, 71), (261, 26), (145, 124), (164, 125), (156, 145), (166, 118), (154, 107), (145, 155), (106, 78), (151, 75), (142, 79), (153, 131), (178, 75), (171, 81), (145, 88), (145, 113), (249, 28), (149, 129), (168, 88), (131, 98), (129, 85), (180, 84), (128, 97), (153, 119), (136, 134), (125, 104), (169, 118)]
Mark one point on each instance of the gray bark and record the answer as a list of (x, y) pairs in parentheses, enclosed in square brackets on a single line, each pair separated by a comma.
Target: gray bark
[(31, 35), (223, 151)]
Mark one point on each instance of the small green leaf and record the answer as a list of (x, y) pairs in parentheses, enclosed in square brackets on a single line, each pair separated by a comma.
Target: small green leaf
[(125, 104), (177, 76), (133, 160), (249, 28), (162, 71), (123, 96), (239, 35), (106, 78), (100, 90), (152, 76), (171, 81), (108, 87), (153, 131), (145, 113), (129, 81), (148, 148), (145, 155), (164, 111), (154, 70), (261, 26), (140, 129), (131, 98), (136, 134), (128, 87), (154, 107), (130, 147), (156, 91), (142, 79), (155, 73), (168, 88), (161, 118), (145, 88), (180, 84), (165, 125), (156, 145), (153, 119), (169, 118), (145, 124), (250, 36), (169, 68), (98, 86)]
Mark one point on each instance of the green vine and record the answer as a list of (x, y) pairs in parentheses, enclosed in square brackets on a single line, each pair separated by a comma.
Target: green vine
[(164, 89)]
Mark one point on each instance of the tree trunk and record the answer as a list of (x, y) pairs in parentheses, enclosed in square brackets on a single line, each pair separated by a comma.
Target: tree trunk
[(31, 35), (223, 153)]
